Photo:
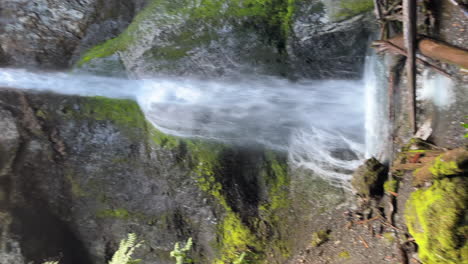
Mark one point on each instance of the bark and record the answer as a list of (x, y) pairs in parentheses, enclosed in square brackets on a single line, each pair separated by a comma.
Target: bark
[(383, 46), (409, 32), (438, 50)]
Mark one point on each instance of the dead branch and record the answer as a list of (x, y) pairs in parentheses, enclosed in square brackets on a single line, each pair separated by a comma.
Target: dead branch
[(363, 241)]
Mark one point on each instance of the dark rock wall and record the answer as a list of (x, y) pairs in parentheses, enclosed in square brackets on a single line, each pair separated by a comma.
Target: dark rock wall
[(48, 33), (77, 174)]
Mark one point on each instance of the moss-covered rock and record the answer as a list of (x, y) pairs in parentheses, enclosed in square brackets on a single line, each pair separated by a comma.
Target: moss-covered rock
[(191, 28), (436, 218), (368, 179), (449, 163), (391, 186)]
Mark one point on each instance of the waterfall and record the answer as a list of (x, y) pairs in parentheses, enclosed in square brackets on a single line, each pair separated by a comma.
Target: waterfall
[(319, 123), (377, 125)]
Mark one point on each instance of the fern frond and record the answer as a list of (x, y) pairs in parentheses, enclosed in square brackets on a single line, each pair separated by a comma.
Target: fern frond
[(124, 253), (189, 244), (179, 254)]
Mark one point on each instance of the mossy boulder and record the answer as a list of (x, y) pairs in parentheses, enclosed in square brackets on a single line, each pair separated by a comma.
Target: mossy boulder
[(368, 179), (436, 218), (450, 163)]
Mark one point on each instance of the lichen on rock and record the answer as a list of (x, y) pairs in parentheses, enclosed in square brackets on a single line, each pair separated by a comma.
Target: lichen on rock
[(435, 217)]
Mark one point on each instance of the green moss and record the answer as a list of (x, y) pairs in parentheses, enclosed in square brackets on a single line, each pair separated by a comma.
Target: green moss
[(237, 239), (441, 168), (391, 186), (344, 255), (320, 237), (368, 178), (161, 139), (129, 36), (417, 151), (436, 219), (119, 213), (351, 8), (275, 14), (122, 112), (389, 237), (41, 114), (75, 187), (277, 181)]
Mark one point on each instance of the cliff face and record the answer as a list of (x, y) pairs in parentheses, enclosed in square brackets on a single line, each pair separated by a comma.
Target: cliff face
[(52, 33), (225, 38), (78, 174), (319, 39)]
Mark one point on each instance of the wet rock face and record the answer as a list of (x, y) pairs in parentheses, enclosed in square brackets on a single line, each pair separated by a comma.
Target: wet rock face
[(77, 174), (286, 38), (49, 32), (72, 185), (324, 49), (292, 39)]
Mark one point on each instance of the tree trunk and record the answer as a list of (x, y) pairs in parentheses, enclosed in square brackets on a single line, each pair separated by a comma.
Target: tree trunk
[(409, 32), (437, 50)]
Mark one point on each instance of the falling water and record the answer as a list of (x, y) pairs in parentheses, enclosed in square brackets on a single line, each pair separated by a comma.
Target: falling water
[(376, 115), (319, 123)]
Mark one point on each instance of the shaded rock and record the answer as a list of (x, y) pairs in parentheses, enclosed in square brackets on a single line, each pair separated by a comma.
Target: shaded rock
[(49, 32), (369, 178), (85, 171)]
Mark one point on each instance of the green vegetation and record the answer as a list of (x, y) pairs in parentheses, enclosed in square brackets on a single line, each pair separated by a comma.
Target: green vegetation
[(391, 186), (180, 254), (276, 15), (119, 213), (389, 237), (122, 112), (162, 139), (441, 168), (344, 255), (319, 237), (465, 125), (238, 238), (349, 8), (368, 178), (435, 218), (124, 253), (75, 187)]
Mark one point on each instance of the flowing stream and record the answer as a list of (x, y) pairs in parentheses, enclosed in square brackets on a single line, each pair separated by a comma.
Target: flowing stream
[(321, 124)]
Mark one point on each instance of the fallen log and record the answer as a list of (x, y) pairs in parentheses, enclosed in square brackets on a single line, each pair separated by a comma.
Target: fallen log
[(383, 46), (437, 50)]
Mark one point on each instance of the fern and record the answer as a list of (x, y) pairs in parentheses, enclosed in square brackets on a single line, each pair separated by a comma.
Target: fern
[(123, 255), (240, 260), (180, 254)]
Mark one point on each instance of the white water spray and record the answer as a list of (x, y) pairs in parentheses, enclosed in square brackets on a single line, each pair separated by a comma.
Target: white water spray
[(377, 125), (319, 123)]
